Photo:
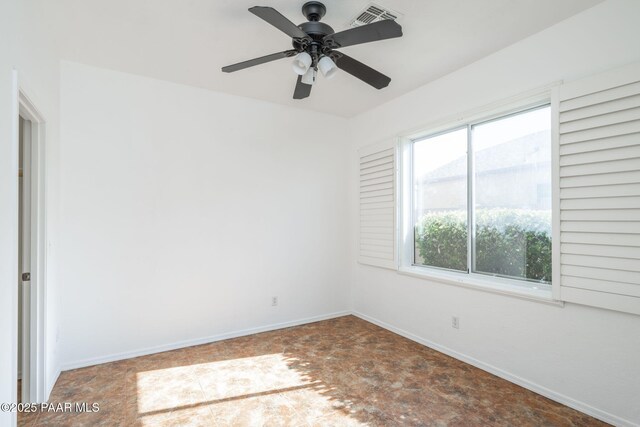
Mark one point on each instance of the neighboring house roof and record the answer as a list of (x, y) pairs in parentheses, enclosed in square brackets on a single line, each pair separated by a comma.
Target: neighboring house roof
[(529, 149)]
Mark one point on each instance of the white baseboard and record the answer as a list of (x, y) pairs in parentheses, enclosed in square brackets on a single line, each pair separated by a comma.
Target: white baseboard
[(198, 341), (536, 388)]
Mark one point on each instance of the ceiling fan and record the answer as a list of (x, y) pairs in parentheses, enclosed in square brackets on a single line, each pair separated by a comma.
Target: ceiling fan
[(315, 44)]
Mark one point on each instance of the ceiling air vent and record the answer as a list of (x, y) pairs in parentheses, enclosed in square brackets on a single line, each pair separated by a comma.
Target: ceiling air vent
[(374, 13)]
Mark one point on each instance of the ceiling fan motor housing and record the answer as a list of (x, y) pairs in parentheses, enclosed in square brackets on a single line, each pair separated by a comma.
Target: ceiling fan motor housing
[(317, 30)]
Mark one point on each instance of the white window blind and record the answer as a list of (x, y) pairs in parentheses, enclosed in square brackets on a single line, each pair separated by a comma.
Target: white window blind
[(377, 237), (599, 126)]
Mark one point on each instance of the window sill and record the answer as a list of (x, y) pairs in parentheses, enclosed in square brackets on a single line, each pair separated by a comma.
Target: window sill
[(494, 285)]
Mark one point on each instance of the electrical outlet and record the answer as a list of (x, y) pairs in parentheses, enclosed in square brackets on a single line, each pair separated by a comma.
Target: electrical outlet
[(274, 301), (455, 322)]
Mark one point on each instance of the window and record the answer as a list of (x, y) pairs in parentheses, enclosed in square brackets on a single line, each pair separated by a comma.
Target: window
[(481, 200), (440, 208)]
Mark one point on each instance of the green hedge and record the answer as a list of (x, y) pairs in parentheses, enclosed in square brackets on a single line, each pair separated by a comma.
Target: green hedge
[(509, 242)]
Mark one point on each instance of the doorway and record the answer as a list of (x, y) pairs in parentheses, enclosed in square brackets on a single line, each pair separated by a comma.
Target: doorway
[(24, 246), (31, 254)]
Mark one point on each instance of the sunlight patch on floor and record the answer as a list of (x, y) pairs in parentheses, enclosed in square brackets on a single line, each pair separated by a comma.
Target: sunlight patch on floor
[(255, 390), (181, 386)]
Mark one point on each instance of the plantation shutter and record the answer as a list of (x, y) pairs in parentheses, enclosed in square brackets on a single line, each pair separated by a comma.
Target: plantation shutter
[(599, 125), (377, 236)]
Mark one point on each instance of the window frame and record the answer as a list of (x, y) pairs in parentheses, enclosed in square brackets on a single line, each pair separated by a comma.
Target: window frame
[(531, 290)]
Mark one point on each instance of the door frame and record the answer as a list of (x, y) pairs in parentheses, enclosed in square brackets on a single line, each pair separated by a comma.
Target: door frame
[(35, 332)]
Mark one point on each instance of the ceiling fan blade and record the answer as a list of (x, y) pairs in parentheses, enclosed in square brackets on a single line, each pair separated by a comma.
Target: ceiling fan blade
[(302, 90), (360, 70), (258, 61), (276, 19), (381, 30)]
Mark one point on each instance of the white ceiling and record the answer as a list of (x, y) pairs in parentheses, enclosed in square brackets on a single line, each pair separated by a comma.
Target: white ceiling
[(188, 41)]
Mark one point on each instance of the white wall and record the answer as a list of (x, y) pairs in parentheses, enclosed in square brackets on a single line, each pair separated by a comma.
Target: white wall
[(184, 211), (585, 356)]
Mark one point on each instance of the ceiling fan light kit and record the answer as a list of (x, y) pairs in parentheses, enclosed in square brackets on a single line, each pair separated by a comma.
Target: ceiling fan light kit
[(315, 44), (327, 67), (309, 77), (302, 63)]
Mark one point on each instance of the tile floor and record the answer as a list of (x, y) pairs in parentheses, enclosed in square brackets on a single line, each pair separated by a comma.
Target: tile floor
[(340, 372)]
